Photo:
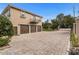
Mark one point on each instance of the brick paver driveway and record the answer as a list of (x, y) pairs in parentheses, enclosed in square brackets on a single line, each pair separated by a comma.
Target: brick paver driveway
[(54, 42)]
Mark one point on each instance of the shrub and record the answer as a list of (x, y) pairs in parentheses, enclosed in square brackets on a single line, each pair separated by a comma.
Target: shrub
[(4, 41), (6, 27), (6, 30), (74, 40), (47, 29)]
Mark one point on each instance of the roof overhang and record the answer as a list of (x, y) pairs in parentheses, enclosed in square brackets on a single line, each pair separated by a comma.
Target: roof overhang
[(10, 6)]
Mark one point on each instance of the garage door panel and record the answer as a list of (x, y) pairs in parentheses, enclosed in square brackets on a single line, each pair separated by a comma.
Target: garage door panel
[(39, 28), (24, 29), (33, 28)]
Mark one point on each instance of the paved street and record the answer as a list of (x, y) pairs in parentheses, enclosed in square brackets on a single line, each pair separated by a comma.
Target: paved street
[(52, 43)]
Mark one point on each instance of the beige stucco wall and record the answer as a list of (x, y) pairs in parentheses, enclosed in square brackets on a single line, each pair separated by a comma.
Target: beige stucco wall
[(76, 28), (16, 19)]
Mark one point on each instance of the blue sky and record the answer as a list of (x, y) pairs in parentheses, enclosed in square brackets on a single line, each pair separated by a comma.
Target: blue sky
[(47, 10)]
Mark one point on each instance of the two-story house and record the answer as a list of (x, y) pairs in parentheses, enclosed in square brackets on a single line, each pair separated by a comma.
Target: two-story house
[(23, 21)]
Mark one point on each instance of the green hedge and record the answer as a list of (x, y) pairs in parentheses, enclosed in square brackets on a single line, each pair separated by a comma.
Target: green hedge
[(6, 27), (74, 40), (4, 41)]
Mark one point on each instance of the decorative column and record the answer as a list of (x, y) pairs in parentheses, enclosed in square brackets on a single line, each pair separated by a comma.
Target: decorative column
[(29, 28), (36, 28), (18, 29)]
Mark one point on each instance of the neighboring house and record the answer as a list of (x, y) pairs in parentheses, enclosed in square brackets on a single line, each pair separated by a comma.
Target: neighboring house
[(23, 21), (76, 26)]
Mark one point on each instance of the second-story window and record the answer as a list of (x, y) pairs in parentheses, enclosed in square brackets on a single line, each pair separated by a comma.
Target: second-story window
[(34, 18), (22, 15), (38, 19), (7, 14)]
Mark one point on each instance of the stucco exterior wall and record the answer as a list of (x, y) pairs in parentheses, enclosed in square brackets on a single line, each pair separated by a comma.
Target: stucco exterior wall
[(76, 28), (16, 19)]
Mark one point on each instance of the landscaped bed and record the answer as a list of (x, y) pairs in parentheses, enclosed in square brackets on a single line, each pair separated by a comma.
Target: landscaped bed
[(6, 31), (4, 41), (74, 50)]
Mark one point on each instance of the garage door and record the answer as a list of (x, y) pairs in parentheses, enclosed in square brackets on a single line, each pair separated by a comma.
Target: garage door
[(33, 28), (39, 28), (24, 29), (15, 30)]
